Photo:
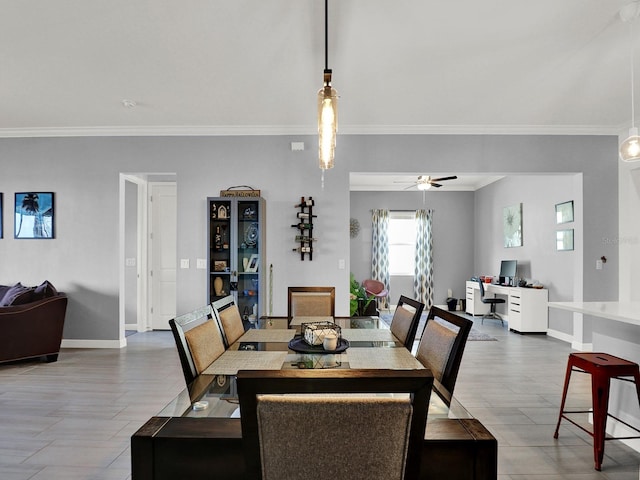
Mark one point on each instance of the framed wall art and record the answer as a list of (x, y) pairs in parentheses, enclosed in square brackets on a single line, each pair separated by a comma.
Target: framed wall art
[(512, 225), (34, 215), (252, 266), (564, 239), (564, 212)]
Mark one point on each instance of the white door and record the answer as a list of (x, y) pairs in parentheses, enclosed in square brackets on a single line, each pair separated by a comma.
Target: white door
[(162, 252)]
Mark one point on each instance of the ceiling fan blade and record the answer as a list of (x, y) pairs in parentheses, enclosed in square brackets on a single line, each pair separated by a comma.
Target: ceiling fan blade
[(442, 179), (410, 186), (437, 185)]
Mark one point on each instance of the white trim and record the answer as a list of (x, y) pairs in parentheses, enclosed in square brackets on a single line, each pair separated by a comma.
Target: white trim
[(72, 343), (234, 130)]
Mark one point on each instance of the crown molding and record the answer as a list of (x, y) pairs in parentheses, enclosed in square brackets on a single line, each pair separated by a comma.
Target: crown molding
[(257, 130)]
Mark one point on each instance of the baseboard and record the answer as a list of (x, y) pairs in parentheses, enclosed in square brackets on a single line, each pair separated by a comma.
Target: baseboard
[(131, 326), (73, 343)]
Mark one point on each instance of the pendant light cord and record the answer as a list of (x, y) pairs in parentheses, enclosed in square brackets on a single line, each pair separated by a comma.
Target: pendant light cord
[(326, 34), (631, 56)]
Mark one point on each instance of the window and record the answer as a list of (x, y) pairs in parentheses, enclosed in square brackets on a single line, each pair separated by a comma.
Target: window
[(402, 243)]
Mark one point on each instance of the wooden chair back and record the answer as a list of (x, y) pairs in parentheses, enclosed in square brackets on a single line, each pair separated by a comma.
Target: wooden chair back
[(441, 348), (394, 428), (229, 320), (404, 324), (311, 302)]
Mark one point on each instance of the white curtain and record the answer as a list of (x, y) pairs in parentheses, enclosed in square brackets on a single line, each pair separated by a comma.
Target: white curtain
[(423, 277), (380, 251)]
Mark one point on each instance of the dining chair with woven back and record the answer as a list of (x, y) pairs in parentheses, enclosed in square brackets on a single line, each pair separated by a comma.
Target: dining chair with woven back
[(229, 320), (441, 347), (311, 302), (320, 435), (198, 340), (406, 317)]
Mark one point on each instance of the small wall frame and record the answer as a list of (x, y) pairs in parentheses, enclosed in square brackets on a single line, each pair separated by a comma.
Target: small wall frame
[(564, 212), (34, 215), (564, 239)]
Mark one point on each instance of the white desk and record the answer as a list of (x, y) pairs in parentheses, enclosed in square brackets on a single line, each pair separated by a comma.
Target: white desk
[(626, 312), (527, 310)]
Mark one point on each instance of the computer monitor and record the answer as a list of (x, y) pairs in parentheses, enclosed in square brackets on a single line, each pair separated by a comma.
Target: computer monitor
[(508, 271)]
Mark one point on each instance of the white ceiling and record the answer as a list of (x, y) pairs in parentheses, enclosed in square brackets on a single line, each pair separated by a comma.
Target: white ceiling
[(403, 182), (254, 66)]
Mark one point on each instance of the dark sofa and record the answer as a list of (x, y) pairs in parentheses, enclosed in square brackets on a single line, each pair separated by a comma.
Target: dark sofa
[(33, 327)]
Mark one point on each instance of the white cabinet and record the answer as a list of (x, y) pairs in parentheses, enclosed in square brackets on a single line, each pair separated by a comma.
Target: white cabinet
[(526, 307), (474, 300)]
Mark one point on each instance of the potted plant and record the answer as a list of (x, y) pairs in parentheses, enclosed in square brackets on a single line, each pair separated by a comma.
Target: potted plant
[(358, 298)]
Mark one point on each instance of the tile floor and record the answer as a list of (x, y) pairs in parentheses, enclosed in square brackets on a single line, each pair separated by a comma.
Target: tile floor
[(73, 419)]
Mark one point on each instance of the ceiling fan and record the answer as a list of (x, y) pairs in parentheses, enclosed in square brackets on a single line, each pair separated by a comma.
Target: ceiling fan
[(425, 182)]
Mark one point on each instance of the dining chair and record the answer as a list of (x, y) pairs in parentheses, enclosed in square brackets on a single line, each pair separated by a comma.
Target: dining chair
[(198, 339), (404, 324), (320, 436), (229, 320), (311, 302), (441, 347)]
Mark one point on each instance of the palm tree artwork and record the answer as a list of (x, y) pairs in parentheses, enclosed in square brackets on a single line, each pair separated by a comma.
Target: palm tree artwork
[(34, 215)]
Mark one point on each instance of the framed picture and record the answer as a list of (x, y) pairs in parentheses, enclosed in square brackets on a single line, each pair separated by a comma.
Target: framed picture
[(564, 239), (34, 215), (252, 266), (512, 225), (564, 212), (1, 215)]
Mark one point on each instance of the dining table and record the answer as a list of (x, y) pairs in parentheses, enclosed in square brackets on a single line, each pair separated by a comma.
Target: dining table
[(198, 433)]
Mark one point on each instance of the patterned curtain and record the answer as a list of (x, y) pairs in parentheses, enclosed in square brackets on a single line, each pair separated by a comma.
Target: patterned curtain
[(380, 251), (423, 278)]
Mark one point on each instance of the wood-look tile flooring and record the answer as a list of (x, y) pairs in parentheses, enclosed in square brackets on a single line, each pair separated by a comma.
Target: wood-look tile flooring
[(73, 419)]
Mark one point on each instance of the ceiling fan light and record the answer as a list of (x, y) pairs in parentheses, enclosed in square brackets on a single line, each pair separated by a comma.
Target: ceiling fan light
[(630, 148), (424, 186)]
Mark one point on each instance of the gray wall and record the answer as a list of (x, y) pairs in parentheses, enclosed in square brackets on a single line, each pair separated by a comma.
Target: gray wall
[(452, 236), (84, 172)]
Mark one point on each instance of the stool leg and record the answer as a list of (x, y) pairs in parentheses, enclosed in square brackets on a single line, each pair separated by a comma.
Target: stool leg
[(567, 376), (600, 383)]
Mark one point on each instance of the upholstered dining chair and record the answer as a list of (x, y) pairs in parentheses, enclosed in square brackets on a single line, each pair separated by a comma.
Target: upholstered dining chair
[(404, 324), (319, 436), (441, 347), (229, 320), (198, 339), (311, 302)]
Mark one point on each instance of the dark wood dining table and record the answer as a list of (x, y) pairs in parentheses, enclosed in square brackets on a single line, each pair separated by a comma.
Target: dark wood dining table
[(198, 434)]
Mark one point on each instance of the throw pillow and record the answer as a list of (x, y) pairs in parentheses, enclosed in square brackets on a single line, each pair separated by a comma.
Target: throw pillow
[(17, 295), (45, 290)]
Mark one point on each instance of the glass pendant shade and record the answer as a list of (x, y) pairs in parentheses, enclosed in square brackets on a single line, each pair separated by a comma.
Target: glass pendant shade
[(327, 122), (630, 148)]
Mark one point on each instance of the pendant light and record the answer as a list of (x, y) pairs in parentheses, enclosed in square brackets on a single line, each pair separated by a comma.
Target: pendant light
[(630, 148), (327, 108)]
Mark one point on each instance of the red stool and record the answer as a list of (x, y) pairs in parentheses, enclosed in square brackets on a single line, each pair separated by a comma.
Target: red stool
[(602, 367)]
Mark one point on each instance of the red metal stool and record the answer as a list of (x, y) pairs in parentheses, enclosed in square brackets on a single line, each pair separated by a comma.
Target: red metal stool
[(602, 367)]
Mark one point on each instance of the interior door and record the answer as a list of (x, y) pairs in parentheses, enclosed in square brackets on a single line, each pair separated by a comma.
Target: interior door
[(163, 248)]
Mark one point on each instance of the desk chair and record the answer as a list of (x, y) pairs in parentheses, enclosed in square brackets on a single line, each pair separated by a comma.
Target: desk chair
[(229, 320), (311, 302), (199, 341), (319, 436), (441, 347), (492, 301), (404, 324)]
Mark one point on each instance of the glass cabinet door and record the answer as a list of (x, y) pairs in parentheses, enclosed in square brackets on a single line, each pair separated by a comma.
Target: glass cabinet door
[(220, 258), (248, 254)]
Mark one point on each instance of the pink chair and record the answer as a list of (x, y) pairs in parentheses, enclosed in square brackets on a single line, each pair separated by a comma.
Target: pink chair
[(375, 288)]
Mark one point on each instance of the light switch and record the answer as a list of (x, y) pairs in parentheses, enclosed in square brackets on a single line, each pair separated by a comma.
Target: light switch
[(184, 263), (341, 264), (130, 262), (201, 263), (598, 264)]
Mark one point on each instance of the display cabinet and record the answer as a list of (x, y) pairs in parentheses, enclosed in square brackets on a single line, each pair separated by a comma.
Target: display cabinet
[(236, 252)]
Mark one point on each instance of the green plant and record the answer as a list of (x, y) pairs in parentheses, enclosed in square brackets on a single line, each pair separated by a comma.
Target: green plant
[(358, 298)]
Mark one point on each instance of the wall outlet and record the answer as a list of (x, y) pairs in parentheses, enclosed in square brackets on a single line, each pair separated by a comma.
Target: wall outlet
[(598, 264), (341, 264), (130, 262)]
